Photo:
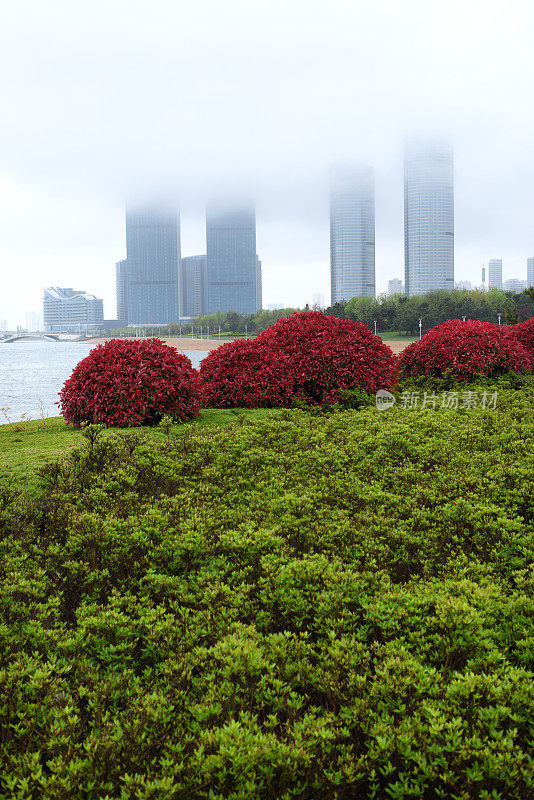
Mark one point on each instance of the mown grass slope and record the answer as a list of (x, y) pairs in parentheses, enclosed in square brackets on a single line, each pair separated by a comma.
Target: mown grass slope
[(25, 447)]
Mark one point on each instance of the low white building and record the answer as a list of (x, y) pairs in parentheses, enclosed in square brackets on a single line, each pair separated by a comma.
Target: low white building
[(69, 310)]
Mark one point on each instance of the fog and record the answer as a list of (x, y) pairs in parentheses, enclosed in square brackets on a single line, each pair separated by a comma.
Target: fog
[(118, 100)]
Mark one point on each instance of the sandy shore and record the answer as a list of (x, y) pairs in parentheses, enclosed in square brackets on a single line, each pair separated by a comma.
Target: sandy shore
[(212, 344), (399, 346), (180, 344)]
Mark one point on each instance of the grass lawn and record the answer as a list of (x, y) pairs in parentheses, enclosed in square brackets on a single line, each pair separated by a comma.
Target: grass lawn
[(27, 446), (394, 336)]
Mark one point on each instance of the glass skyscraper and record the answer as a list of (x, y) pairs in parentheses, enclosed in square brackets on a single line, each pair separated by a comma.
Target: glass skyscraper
[(530, 272), (352, 233), (153, 262), (428, 218), (233, 269)]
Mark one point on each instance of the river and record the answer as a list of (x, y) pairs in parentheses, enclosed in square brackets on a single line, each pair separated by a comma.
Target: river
[(32, 374)]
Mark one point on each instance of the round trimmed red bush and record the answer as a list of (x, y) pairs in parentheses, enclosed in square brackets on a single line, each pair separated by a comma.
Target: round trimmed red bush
[(244, 374), (126, 383), (524, 333), (323, 355), (465, 349)]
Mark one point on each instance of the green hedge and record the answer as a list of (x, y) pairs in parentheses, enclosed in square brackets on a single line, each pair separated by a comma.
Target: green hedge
[(336, 606)]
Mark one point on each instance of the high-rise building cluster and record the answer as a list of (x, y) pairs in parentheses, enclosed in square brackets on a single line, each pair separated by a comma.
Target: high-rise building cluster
[(428, 225), (515, 285), (155, 285)]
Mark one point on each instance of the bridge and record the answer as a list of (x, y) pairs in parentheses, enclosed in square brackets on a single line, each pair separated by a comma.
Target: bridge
[(32, 337)]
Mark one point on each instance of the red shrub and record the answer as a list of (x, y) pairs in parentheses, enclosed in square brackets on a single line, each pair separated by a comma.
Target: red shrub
[(524, 333), (466, 349), (244, 374), (323, 355), (125, 383)]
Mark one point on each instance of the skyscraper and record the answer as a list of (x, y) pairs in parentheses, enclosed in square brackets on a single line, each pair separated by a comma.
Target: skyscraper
[(428, 218), (193, 286), (121, 287), (258, 284), (530, 272), (352, 233), (495, 273), (233, 267), (153, 262), (395, 286)]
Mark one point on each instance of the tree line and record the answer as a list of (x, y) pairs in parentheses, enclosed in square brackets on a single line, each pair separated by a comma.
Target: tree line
[(396, 313), (401, 314)]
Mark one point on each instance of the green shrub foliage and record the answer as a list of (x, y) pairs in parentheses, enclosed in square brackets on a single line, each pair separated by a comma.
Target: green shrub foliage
[(314, 607)]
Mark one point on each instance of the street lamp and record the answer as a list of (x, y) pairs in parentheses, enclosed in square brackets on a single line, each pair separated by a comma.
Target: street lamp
[(463, 318), (420, 327), (375, 325), (499, 316)]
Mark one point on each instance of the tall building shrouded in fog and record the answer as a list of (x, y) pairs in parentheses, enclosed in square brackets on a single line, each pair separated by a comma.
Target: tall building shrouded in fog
[(233, 267), (153, 264), (495, 273), (428, 218), (352, 233), (530, 272)]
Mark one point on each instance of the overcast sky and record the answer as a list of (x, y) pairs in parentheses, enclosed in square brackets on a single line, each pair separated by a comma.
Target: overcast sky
[(114, 99)]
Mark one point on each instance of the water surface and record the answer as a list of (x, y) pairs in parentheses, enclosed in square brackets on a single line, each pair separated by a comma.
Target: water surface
[(32, 374)]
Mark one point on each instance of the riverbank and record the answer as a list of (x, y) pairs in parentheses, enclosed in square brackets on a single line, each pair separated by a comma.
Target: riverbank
[(179, 344)]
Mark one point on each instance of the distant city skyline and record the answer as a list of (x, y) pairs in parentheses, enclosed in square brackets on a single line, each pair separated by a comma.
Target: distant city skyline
[(429, 197), (190, 101)]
